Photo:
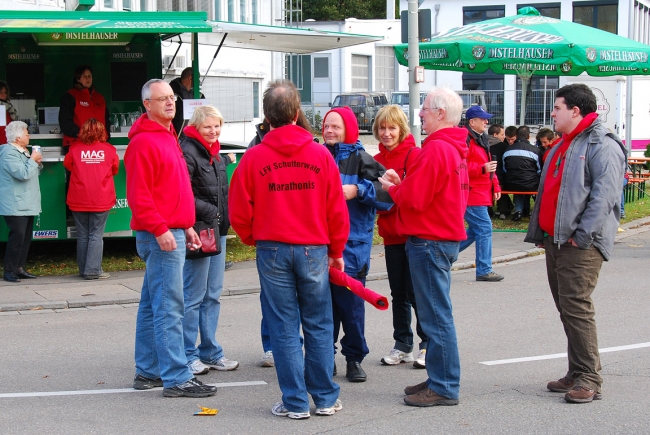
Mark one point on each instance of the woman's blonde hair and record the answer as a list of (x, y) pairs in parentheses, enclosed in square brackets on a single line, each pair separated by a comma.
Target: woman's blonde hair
[(391, 115), (202, 112)]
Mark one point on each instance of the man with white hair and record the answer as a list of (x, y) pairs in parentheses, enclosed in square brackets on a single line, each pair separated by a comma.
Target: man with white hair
[(437, 185)]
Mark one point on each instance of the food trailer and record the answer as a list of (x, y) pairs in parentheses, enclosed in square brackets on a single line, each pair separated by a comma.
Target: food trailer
[(40, 50)]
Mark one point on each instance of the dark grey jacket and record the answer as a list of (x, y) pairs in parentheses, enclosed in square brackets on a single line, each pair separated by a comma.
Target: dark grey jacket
[(589, 202)]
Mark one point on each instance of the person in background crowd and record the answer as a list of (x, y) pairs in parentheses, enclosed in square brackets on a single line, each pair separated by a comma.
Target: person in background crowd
[(397, 151), (79, 104), (294, 246), (575, 218), (156, 172), (504, 204), (496, 136), (360, 177), (10, 111), (183, 89), (20, 198), (203, 277), (546, 140), (484, 190), (437, 184), (92, 163), (261, 129), (522, 167)]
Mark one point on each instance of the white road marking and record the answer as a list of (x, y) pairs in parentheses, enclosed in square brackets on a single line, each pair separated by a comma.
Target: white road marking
[(118, 390), (562, 355)]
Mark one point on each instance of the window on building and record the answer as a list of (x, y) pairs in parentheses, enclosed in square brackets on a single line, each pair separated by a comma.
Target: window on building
[(233, 96), (256, 99), (143, 5), (242, 11), (186, 5), (109, 4), (384, 69), (127, 5), (321, 67), (473, 14), (254, 12), (602, 15), (217, 10), (551, 10), (231, 10), (360, 73)]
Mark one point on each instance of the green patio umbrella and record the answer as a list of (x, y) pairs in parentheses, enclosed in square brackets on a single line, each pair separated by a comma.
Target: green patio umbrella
[(527, 44)]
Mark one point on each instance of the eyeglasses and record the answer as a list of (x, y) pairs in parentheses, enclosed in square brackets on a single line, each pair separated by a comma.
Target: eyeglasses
[(163, 99), (424, 109)]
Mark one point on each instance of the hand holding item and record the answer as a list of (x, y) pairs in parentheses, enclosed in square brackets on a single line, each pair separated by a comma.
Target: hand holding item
[(192, 239), (336, 263), (490, 167), (392, 177), (340, 278), (36, 156)]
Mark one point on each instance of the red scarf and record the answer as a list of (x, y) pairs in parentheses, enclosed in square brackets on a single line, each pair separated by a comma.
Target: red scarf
[(191, 131)]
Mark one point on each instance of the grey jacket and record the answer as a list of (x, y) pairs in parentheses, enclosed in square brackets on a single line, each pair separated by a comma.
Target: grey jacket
[(20, 193), (589, 202)]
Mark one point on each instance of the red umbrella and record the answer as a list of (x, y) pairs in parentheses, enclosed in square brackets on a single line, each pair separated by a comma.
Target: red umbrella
[(375, 299)]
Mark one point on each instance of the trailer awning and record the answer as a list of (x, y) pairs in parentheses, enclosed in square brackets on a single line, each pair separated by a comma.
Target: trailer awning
[(283, 39), (98, 25)]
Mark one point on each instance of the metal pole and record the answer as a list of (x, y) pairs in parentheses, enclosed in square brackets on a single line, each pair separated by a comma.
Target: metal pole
[(195, 66), (414, 60), (628, 87)]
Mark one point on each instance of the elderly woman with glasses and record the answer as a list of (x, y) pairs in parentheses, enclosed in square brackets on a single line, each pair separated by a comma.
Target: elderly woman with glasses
[(20, 198)]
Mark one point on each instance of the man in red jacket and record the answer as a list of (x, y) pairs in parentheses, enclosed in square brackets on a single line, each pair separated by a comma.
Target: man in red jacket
[(437, 185), (286, 199), (483, 191), (160, 195)]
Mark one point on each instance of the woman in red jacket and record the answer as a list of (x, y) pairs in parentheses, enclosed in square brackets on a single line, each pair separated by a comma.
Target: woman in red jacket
[(397, 150), (92, 163)]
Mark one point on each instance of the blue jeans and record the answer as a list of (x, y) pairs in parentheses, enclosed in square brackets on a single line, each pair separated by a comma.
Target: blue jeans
[(625, 181), (90, 241), (264, 332), (522, 202), (295, 291), (202, 287), (159, 350), (430, 262), (479, 230)]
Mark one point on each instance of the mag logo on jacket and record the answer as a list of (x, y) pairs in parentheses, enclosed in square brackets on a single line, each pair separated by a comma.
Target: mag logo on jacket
[(92, 156)]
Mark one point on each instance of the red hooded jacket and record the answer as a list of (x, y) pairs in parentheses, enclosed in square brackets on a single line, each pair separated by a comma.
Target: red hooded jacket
[(482, 185), (158, 187), (400, 159), (288, 189), (92, 169), (431, 200)]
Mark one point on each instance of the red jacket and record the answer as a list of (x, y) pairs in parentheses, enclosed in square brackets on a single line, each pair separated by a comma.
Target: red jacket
[(288, 189), (401, 157), (87, 106), (158, 187), (431, 200), (92, 169), (482, 185)]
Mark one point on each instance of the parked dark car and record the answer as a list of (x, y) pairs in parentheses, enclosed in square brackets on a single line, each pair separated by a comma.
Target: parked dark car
[(365, 106)]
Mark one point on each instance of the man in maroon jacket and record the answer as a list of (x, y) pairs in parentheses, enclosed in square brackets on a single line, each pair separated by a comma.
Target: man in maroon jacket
[(162, 204)]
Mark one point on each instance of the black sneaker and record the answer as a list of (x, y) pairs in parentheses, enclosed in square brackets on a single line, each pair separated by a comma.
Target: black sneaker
[(142, 383), (191, 388), (229, 264), (517, 216)]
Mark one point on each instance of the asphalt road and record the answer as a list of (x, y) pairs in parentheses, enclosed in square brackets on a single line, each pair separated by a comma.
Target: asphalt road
[(80, 357)]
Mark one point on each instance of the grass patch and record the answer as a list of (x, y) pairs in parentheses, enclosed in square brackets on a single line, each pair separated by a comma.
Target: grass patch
[(55, 258)]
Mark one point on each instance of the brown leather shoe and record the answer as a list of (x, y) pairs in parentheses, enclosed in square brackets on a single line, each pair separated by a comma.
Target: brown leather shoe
[(562, 385), (428, 397), (414, 389), (582, 394)]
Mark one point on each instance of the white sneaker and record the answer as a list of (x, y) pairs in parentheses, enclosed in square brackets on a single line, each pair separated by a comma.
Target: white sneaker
[(198, 368), (223, 364), (331, 410), (396, 357), (267, 359), (419, 362), (279, 410)]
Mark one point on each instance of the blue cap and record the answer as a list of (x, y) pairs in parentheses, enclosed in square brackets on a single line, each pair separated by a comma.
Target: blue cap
[(477, 112)]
